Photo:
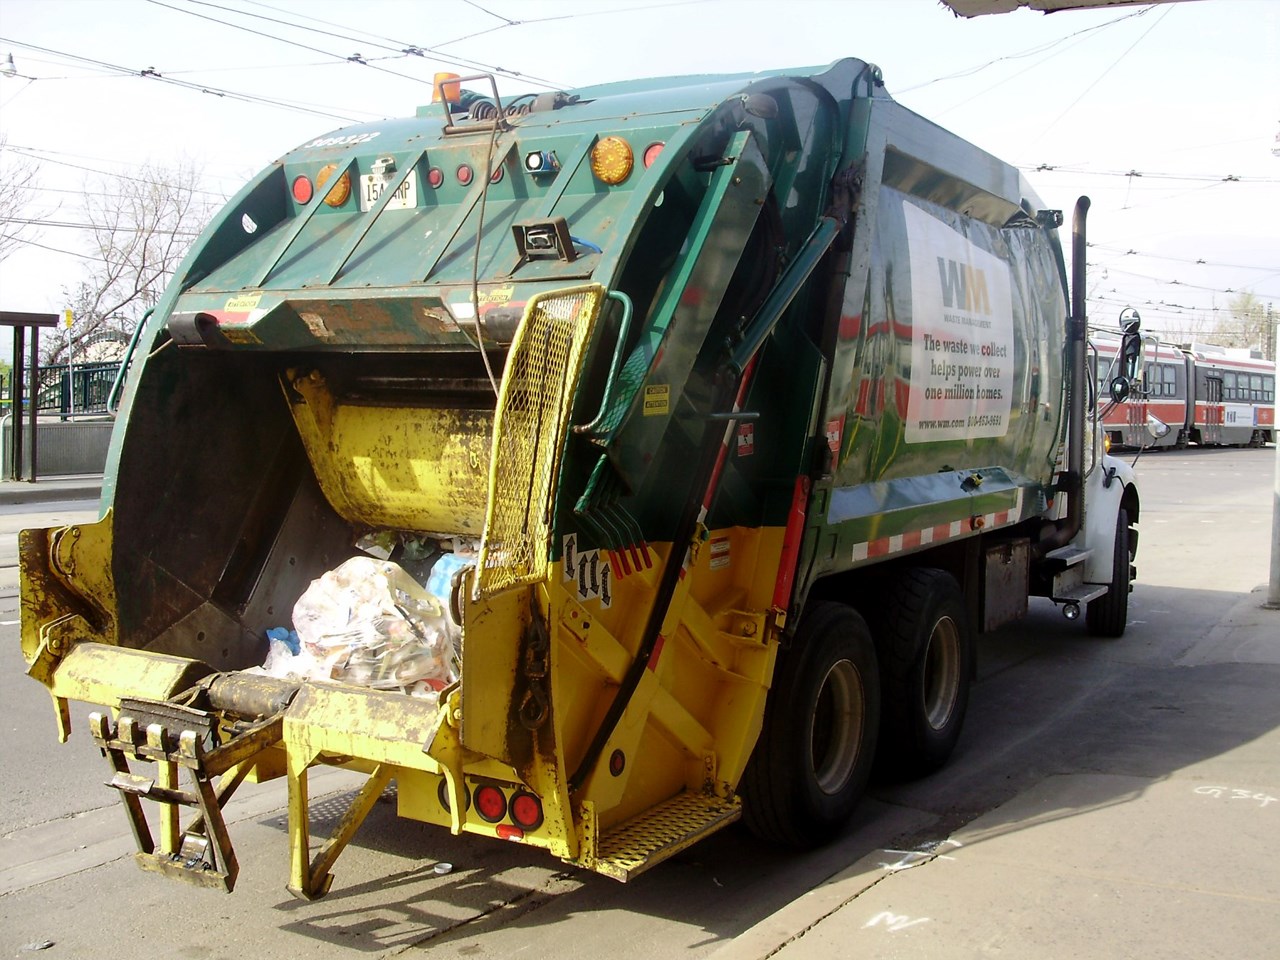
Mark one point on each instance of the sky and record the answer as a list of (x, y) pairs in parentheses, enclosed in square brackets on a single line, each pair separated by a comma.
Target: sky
[(1167, 117)]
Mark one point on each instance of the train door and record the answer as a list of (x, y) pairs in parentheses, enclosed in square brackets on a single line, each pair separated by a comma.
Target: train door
[(1212, 431)]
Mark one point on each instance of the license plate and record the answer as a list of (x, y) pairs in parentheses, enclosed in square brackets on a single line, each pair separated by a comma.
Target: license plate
[(371, 187)]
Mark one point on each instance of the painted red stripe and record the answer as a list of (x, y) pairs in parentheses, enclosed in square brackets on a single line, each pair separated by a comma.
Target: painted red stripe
[(791, 539), (657, 652)]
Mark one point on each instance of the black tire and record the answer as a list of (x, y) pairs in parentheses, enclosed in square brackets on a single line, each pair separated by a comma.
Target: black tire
[(926, 665), (1109, 614), (817, 748)]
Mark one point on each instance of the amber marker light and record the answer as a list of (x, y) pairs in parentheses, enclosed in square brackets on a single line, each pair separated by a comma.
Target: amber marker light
[(341, 189), (447, 84), (612, 160)]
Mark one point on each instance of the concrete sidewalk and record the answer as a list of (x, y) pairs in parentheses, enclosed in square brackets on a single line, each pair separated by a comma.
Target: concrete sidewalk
[(1088, 864), (46, 490)]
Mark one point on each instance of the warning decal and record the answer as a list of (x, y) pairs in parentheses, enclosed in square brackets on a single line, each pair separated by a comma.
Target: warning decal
[(657, 399)]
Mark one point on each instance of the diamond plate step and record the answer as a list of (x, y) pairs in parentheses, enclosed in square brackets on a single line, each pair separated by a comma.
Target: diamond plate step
[(674, 825)]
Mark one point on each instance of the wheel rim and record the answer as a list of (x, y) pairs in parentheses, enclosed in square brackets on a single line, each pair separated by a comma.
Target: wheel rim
[(941, 673), (835, 730)]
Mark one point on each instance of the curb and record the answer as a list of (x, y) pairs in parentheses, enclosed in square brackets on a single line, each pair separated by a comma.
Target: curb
[(16, 492)]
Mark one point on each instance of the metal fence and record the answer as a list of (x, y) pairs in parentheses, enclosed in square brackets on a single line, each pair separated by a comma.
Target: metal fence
[(81, 389)]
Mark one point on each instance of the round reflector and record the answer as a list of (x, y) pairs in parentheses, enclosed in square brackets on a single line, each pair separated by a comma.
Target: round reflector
[(302, 191), (341, 188), (491, 803), (526, 810), (611, 160), (651, 153), (465, 173), (617, 763), (496, 175), (435, 177), (442, 792)]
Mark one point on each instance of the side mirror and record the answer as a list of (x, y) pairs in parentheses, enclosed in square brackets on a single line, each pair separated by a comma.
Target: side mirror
[(1130, 346), (1119, 389)]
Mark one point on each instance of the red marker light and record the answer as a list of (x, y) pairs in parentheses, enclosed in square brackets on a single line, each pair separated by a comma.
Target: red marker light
[(491, 803), (302, 190), (435, 177), (526, 810), (496, 175), (465, 173), (651, 153)]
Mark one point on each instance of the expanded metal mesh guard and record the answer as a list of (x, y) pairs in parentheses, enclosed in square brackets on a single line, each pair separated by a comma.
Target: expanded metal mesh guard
[(529, 429)]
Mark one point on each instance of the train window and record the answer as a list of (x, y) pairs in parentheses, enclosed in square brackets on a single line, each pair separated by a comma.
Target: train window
[(1168, 380), (1229, 386), (1269, 389), (1255, 386)]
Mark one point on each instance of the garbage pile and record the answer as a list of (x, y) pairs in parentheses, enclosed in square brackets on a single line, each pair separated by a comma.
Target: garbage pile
[(368, 622)]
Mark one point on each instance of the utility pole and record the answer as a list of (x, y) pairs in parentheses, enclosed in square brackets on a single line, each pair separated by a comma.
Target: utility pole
[(1273, 589)]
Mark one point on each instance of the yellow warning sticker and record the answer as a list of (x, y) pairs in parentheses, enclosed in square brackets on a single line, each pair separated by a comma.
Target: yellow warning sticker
[(497, 294), (240, 335), (243, 304), (657, 400)]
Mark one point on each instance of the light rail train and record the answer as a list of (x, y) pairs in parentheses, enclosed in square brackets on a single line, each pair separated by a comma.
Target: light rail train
[(1207, 395)]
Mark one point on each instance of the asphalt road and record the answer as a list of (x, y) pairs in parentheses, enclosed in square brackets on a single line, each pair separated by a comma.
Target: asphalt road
[(1061, 727)]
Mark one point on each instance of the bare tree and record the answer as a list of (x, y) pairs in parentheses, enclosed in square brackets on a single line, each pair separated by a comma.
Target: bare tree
[(17, 184), (141, 227)]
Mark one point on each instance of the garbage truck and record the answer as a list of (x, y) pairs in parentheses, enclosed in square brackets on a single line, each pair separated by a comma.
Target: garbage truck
[(594, 468)]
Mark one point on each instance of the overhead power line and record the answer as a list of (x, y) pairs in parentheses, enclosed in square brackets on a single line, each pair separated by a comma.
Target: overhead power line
[(403, 49), (151, 73), (1130, 252), (71, 225), (1029, 52), (34, 155), (1148, 175)]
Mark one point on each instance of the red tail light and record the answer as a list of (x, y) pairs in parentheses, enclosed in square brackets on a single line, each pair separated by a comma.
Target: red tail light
[(302, 190), (491, 803), (526, 810)]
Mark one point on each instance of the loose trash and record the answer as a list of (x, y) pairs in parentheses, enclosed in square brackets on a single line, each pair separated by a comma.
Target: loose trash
[(368, 622)]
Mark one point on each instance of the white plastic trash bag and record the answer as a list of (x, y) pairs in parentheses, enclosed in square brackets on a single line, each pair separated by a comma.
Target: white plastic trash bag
[(369, 623)]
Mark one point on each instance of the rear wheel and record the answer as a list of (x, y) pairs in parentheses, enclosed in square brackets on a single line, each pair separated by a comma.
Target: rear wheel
[(926, 657), (1109, 614), (815, 752)]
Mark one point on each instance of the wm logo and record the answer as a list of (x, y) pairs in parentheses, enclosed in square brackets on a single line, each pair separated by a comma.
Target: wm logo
[(963, 287)]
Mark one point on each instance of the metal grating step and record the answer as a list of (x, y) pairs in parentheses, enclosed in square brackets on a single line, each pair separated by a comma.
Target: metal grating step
[(674, 825), (1068, 556), (1080, 594)]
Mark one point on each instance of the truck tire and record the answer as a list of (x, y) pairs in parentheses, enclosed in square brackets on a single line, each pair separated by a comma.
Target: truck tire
[(1109, 614), (816, 750), (926, 660)]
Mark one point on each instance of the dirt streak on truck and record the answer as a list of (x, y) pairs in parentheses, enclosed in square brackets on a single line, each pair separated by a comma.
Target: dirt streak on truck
[(719, 414)]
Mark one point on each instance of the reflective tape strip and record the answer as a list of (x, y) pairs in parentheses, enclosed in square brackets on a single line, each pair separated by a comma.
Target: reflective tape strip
[(913, 539)]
